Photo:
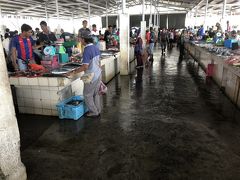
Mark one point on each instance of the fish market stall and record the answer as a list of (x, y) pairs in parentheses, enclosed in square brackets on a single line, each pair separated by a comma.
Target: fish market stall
[(222, 64), (110, 63), (40, 94)]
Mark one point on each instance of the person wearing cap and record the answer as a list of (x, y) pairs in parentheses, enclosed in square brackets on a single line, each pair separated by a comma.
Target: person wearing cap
[(91, 65)]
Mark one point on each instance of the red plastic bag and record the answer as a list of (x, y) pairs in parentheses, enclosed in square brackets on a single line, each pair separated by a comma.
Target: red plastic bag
[(102, 88), (210, 70)]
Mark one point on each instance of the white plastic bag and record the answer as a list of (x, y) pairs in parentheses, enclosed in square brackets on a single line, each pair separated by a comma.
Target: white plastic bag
[(102, 88), (87, 77)]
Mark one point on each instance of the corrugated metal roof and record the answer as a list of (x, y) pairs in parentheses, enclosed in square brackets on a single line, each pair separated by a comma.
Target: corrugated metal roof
[(79, 8)]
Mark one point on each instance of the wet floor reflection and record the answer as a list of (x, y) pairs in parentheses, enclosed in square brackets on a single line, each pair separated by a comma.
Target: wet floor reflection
[(162, 122)]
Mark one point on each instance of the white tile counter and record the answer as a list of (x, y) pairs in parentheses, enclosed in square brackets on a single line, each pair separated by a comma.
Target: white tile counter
[(225, 75), (110, 67), (40, 95)]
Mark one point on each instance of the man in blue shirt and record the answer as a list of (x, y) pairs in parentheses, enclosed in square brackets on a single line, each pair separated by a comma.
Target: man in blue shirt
[(91, 66)]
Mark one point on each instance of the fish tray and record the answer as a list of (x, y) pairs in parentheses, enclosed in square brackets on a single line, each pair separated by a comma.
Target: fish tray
[(67, 110)]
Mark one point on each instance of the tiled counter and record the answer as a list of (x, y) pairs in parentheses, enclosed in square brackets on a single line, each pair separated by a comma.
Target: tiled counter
[(110, 67), (40, 95), (225, 75)]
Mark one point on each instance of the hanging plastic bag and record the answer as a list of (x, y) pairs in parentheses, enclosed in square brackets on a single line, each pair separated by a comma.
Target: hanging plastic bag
[(102, 89), (87, 77)]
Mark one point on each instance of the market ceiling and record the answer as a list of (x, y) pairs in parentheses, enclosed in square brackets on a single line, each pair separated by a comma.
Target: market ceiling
[(79, 8)]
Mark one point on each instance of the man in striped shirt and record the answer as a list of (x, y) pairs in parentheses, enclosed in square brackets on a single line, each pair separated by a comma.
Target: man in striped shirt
[(22, 48)]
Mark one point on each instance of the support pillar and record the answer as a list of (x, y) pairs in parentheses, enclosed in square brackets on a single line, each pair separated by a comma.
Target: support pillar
[(143, 25), (143, 10), (89, 15), (150, 17), (223, 23), (1, 23), (196, 14), (205, 17), (154, 18), (73, 23), (167, 22), (143, 32), (11, 167), (46, 13), (106, 14), (57, 11), (124, 44)]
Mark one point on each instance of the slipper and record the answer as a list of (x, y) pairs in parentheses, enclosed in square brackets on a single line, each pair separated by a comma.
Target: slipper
[(89, 114)]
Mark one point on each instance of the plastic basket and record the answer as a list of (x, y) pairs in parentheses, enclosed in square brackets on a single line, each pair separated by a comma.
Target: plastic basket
[(66, 111)]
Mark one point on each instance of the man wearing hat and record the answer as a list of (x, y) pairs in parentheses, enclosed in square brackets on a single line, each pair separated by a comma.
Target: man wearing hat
[(91, 67)]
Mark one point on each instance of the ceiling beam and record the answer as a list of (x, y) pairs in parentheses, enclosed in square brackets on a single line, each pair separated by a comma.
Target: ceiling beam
[(91, 4), (26, 9)]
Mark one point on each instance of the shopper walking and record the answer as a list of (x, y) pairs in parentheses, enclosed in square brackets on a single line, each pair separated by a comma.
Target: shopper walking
[(151, 44), (163, 40), (181, 45), (138, 50), (171, 39)]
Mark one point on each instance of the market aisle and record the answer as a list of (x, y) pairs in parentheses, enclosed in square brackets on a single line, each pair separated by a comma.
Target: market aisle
[(165, 122)]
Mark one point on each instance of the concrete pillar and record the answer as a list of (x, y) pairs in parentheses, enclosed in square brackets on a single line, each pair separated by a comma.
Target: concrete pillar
[(117, 26), (154, 18), (46, 13), (143, 32), (1, 23), (143, 10), (124, 44), (223, 23), (11, 167), (123, 6), (73, 23), (106, 14), (150, 17), (205, 17), (167, 22), (143, 24), (58, 21), (196, 14), (89, 15)]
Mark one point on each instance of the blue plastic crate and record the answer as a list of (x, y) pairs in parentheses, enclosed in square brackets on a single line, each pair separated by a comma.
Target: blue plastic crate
[(66, 111), (228, 43)]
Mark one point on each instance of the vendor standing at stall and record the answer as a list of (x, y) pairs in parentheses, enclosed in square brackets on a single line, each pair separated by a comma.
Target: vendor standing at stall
[(108, 35), (46, 37), (84, 29), (22, 48), (91, 66), (95, 34), (235, 36)]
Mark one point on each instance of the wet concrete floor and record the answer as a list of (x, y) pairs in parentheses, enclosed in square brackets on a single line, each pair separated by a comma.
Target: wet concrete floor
[(165, 122)]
